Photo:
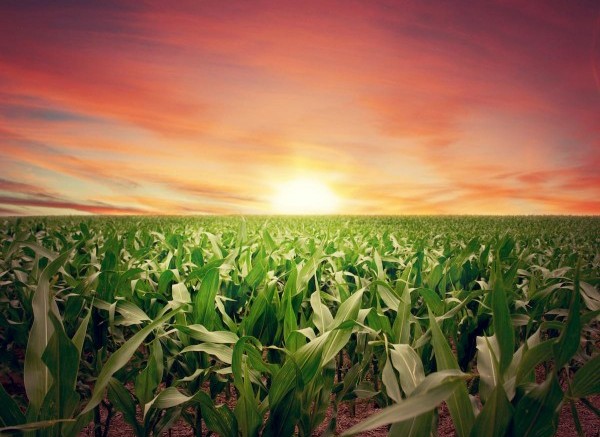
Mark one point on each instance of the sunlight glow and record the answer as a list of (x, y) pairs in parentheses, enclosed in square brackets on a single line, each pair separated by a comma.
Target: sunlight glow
[(304, 196)]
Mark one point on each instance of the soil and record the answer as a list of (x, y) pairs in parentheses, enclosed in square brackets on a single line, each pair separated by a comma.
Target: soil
[(364, 408), (346, 417), (566, 428)]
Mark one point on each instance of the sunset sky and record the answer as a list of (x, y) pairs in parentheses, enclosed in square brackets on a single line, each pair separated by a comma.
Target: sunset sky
[(396, 107)]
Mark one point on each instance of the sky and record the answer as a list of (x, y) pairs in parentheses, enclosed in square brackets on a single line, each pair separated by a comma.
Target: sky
[(214, 107)]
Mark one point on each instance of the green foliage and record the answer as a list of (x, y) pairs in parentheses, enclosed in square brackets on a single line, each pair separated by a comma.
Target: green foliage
[(258, 326)]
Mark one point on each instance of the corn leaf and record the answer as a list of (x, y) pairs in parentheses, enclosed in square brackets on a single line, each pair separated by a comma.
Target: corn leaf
[(532, 357), (62, 359), (409, 366), (246, 410), (121, 399), (587, 379), (199, 332), (503, 329), (37, 376), (219, 420), (204, 300), (569, 339), (222, 352), (118, 359), (459, 404), (422, 401), (10, 413), (536, 414), (148, 379), (488, 352), (495, 417)]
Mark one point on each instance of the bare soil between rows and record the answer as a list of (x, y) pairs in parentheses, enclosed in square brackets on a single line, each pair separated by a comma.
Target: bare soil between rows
[(363, 409), (348, 416)]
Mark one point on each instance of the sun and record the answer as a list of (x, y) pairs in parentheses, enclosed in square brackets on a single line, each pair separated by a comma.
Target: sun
[(304, 196)]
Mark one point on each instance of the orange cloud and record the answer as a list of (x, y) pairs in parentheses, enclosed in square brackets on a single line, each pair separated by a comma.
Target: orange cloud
[(89, 208)]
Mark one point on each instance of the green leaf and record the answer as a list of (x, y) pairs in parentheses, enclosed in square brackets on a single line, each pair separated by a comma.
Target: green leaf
[(246, 410), (586, 381), (165, 280), (435, 276), (130, 312), (181, 293), (590, 295), (257, 274), (496, 415), (347, 312), (409, 366), (459, 404), (37, 377), (40, 250), (79, 337), (284, 416), (536, 414), (168, 398), (222, 352), (322, 317), (62, 359), (432, 299), (215, 245), (254, 322), (532, 357), (199, 332), (118, 359), (414, 427), (503, 329), (219, 420), (121, 399), (268, 240), (290, 374), (10, 413), (204, 301), (487, 365), (402, 322), (167, 419), (33, 426), (308, 271), (569, 339), (390, 381), (148, 379), (197, 257), (71, 428), (289, 316), (437, 387), (387, 295)]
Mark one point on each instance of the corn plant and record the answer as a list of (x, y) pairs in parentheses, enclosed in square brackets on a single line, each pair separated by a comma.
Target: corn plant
[(266, 325)]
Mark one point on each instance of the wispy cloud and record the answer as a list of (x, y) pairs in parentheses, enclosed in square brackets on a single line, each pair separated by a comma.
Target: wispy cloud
[(81, 207)]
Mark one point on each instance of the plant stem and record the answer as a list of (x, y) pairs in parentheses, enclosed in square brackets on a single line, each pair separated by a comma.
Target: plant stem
[(340, 364), (576, 418), (97, 422), (107, 422), (198, 430), (375, 373), (588, 404)]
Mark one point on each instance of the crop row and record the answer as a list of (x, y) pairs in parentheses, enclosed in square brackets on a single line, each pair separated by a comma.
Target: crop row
[(266, 326)]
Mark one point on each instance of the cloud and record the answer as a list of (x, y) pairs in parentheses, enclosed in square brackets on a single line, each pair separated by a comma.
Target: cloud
[(95, 208), (23, 188)]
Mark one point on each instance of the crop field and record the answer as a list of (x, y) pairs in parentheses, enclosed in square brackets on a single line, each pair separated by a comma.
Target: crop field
[(275, 326)]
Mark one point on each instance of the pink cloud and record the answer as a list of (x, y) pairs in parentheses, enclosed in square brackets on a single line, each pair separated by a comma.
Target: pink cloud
[(68, 206)]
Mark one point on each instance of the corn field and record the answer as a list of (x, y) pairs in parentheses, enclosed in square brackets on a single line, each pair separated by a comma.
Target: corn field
[(267, 325)]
